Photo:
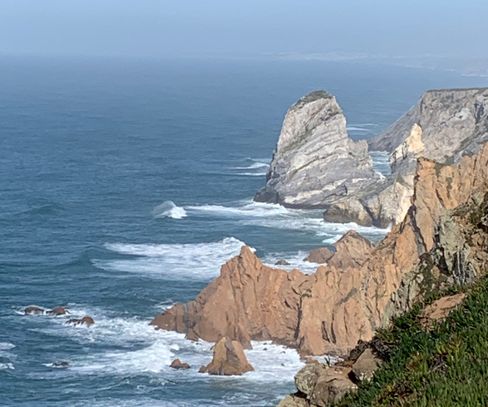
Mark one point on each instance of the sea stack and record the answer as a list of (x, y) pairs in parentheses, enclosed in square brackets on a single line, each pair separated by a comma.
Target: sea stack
[(315, 160)]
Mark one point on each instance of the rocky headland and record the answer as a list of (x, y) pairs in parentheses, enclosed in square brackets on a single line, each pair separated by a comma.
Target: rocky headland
[(436, 200), (316, 164)]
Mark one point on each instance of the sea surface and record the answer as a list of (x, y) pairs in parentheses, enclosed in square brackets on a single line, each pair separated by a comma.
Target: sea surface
[(125, 184)]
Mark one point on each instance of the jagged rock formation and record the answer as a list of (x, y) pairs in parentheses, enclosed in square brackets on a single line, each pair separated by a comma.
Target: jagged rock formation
[(315, 160), (228, 359), (319, 256), (362, 286), (443, 126)]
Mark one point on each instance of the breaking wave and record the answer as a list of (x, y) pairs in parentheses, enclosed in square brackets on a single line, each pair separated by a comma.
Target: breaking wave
[(168, 209)]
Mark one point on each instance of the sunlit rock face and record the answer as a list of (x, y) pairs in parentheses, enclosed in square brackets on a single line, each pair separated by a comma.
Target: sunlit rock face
[(315, 161)]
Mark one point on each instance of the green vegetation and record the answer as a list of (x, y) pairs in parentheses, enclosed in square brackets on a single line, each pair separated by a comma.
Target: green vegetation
[(447, 366)]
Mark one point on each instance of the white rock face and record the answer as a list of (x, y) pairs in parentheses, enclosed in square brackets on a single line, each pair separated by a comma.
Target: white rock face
[(443, 126), (315, 161), (316, 164)]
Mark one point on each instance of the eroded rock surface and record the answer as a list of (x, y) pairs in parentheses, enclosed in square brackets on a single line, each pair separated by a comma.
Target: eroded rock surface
[(315, 160), (319, 256), (443, 126)]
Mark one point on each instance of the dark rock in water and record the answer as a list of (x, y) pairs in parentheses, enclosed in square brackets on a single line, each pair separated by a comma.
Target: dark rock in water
[(178, 364), (228, 359), (319, 256), (34, 310), (86, 320), (61, 364), (282, 262), (57, 311)]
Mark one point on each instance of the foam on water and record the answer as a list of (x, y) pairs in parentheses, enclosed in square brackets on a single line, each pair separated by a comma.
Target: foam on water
[(294, 260), (137, 348), (175, 261), (7, 356), (246, 208), (168, 209), (251, 174), (253, 166), (381, 162)]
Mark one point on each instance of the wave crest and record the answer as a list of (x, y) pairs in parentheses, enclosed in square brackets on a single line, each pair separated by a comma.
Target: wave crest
[(168, 209)]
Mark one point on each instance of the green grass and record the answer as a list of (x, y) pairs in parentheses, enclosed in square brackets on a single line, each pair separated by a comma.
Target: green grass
[(447, 366)]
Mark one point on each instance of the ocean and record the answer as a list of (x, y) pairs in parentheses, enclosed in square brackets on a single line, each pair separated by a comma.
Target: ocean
[(125, 184)]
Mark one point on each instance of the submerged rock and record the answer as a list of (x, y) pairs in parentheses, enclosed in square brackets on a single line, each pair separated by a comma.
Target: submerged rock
[(57, 311), (228, 359), (34, 310), (86, 320), (315, 161), (60, 364)]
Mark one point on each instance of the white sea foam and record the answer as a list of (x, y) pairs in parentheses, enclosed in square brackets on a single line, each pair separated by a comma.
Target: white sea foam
[(358, 129), (7, 357), (137, 348), (251, 174), (193, 260), (168, 209), (246, 208), (253, 166), (276, 216), (294, 260), (6, 346)]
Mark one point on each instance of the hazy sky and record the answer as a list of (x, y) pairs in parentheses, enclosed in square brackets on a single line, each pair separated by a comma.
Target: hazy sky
[(243, 28)]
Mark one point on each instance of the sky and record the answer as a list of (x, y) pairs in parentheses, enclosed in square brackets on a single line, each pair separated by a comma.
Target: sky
[(244, 28)]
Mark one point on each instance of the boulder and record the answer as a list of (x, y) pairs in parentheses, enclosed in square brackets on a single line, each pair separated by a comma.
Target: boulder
[(331, 386), (307, 376), (315, 160), (228, 359), (294, 400), (282, 262), (86, 320), (178, 364), (440, 309), (365, 366), (319, 256)]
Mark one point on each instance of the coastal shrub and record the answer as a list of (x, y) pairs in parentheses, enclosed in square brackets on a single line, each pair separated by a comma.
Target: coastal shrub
[(447, 366)]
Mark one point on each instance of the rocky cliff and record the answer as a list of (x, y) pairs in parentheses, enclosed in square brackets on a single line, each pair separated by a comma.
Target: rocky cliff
[(362, 286), (315, 161), (443, 126)]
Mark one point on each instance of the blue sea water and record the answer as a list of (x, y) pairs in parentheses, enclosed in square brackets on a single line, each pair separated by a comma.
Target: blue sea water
[(125, 184)]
